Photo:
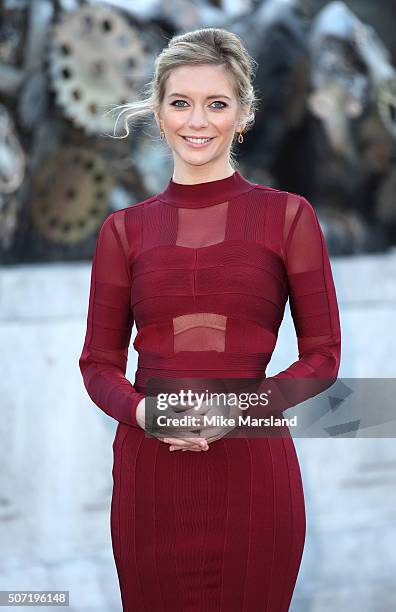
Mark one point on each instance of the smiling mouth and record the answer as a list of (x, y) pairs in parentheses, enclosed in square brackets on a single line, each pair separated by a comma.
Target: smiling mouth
[(198, 138)]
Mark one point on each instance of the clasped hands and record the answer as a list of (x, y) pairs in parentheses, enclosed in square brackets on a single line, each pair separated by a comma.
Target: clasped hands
[(200, 435)]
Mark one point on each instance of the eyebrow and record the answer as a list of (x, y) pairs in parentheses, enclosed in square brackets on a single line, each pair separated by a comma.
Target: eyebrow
[(208, 97)]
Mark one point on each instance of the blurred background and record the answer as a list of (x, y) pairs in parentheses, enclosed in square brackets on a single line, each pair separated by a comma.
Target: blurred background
[(325, 128)]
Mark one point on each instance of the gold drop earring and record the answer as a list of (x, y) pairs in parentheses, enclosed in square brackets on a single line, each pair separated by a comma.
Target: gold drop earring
[(240, 136), (162, 133)]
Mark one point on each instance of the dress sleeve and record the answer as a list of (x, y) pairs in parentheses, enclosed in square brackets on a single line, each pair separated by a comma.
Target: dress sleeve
[(314, 309), (104, 356)]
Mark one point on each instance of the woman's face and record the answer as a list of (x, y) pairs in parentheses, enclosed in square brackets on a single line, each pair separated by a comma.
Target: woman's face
[(200, 101)]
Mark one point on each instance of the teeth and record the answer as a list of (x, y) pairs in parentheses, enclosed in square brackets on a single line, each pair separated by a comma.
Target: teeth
[(198, 140)]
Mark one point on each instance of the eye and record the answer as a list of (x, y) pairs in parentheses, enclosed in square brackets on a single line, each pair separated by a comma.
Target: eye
[(215, 102), (174, 103), (220, 102)]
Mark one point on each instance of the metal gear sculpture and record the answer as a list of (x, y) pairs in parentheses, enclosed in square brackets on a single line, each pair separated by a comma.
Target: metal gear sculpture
[(33, 100), (12, 156), (70, 195), (9, 216), (96, 61)]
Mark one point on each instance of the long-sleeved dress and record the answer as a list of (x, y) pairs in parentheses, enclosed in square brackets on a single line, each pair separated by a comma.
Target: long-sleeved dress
[(205, 271)]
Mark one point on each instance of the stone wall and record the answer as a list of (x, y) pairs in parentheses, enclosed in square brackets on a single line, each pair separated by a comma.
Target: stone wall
[(56, 453)]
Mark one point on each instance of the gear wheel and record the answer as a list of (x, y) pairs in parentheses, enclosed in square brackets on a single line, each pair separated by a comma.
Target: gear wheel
[(70, 195), (96, 61)]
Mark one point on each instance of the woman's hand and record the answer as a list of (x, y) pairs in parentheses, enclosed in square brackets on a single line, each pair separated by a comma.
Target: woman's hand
[(197, 444), (192, 441), (230, 413), (187, 440), (211, 433)]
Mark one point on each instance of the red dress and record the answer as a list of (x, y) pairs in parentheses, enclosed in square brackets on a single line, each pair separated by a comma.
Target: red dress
[(205, 271)]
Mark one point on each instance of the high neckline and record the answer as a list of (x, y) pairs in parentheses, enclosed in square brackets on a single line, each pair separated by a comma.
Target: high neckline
[(198, 195)]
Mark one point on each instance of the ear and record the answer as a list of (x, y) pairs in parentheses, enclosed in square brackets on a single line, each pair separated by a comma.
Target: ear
[(157, 119), (243, 116)]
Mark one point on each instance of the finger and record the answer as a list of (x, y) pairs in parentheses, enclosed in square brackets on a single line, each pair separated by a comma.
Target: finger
[(196, 441), (187, 442), (198, 409), (185, 408), (184, 439), (194, 450), (194, 446)]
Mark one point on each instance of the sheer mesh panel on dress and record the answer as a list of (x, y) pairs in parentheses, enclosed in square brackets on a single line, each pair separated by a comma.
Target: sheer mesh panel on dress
[(314, 309), (203, 331), (312, 294), (198, 228), (104, 357)]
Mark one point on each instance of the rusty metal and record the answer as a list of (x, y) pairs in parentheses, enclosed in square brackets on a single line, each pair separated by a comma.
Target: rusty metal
[(96, 61), (12, 157), (70, 195)]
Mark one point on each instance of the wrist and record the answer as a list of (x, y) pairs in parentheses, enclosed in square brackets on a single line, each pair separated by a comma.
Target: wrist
[(141, 413)]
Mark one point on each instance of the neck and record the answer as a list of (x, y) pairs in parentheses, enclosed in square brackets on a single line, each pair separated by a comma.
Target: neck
[(205, 193), (191, 175)]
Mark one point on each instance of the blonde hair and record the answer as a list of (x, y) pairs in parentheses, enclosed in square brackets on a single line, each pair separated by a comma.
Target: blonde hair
[(214, 46)]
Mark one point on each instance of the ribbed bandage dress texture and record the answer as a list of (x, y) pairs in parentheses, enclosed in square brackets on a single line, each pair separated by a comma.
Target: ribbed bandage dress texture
[(205, 271)]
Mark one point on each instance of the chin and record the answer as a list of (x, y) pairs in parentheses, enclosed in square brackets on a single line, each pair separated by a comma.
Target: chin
[(198, 162)]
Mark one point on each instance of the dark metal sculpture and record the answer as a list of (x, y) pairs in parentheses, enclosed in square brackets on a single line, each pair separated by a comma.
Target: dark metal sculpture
[(325, 126)]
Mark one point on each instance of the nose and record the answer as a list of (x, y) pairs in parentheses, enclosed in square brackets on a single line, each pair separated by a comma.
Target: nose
[(197, 118)]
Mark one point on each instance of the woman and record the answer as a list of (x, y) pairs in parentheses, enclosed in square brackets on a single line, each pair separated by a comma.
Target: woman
[(205, 269)]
